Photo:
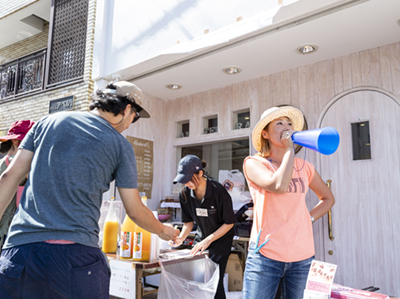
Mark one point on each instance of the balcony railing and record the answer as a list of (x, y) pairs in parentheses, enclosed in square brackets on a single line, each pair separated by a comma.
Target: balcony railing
[(22, 75)]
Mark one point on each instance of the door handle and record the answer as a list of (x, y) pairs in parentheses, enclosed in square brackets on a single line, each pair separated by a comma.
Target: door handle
[(328, 183)]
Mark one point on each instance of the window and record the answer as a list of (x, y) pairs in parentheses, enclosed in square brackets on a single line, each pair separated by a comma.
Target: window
[(241, 119), (361, 141), (210, 124), (67, 40), (183, 129), (22, 75), (220, 156)]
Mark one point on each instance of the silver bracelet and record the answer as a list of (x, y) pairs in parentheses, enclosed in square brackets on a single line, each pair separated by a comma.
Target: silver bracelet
[(312, 219)]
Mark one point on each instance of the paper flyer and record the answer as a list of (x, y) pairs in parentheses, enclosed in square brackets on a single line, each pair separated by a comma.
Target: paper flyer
[(320, 280), (122, 281)]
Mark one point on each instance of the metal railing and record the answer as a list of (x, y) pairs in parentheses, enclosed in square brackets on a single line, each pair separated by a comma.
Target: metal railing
[(23, 75)]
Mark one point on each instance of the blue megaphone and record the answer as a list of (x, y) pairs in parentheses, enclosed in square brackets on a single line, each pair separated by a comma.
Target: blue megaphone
[(324, 140)]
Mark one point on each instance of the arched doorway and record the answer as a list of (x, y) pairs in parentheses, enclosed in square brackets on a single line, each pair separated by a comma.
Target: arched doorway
[(366, 216)]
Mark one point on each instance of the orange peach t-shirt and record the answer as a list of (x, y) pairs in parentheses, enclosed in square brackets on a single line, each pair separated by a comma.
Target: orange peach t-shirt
[(283, 218)]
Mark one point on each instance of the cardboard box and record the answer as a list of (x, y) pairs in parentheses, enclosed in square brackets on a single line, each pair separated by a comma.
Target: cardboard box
[(235, 273)]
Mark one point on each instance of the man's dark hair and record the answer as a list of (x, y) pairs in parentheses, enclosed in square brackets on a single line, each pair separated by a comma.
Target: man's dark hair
[(109, 102)]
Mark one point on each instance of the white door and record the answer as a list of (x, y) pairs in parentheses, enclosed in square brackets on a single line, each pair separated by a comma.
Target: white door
[(366, 216)]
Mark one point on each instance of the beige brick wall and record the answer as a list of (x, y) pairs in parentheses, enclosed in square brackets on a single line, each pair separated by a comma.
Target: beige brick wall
[(26, 46), (36, 105)]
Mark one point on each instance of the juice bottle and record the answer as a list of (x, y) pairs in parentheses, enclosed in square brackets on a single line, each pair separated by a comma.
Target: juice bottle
[(141, 241), (127, 231), (155, 243), (110, 231)]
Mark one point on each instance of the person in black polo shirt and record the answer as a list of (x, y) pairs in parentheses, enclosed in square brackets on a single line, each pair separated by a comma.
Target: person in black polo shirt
[(207, 203)]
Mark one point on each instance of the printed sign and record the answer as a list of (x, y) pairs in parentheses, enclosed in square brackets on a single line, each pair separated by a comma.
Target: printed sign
[(144, 162), (122, 283), (228, 185), (320, 280), (63, 104)]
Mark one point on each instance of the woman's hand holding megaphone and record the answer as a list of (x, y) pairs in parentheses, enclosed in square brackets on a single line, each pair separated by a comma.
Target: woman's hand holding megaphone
[(286, 138)]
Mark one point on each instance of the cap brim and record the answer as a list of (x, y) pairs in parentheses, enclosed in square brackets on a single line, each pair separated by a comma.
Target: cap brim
[(143, 113), (10, 137), (181, 178)]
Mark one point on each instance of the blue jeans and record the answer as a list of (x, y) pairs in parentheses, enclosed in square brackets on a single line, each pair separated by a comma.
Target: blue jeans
[(41, 271), (263, 275)]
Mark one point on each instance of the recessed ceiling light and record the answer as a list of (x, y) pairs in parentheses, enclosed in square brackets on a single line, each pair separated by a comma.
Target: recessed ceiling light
[(173, 86), (307, 49), (232, 70)]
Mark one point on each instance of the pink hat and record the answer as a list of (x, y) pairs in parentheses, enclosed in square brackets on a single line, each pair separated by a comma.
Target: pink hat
[(18, 130)]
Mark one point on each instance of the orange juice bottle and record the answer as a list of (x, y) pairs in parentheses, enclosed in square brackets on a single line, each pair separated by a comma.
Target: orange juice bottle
[(110, 231), (141, 240), (127, 231)]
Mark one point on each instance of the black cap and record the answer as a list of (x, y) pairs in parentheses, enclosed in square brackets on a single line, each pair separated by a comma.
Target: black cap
[(188, 166)]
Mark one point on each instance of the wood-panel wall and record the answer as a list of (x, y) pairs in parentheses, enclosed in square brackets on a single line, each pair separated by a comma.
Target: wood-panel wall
[(309, 88)]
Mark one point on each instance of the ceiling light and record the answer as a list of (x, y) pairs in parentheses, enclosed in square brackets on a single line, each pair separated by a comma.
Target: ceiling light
[(173, 86), (232, 70), (307, 49)]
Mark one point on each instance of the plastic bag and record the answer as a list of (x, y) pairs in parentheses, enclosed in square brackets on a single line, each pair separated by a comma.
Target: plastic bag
[(231, 178), (239, 199), (186, 279)]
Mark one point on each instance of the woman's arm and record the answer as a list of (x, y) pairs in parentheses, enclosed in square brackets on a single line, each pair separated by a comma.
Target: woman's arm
[(275, 182), (327, 200), (203, 245), (12, 176), (186, 229)]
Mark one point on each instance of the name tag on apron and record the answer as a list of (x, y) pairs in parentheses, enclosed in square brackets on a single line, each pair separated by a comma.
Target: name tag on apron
[(201, 212)]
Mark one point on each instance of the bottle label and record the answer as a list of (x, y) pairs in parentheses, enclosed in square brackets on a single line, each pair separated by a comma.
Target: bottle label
[(126, 244), (137, 245)]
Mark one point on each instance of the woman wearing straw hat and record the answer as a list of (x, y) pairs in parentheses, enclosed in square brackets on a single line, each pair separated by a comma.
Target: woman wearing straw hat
[(281, 243), (9, 146)]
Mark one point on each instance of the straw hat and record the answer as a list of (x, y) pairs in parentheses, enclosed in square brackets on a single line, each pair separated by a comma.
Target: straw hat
[(294, 114)]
